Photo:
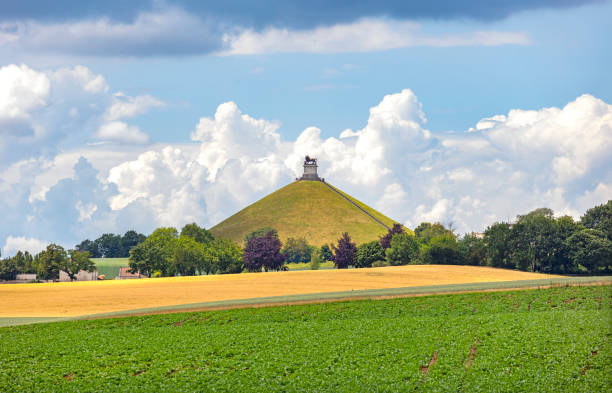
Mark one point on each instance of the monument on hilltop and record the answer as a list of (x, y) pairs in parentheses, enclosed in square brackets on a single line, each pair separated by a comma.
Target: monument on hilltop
[(310, 170)]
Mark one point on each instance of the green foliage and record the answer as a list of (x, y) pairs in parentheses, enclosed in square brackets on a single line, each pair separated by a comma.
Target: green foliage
[(315, 260), (599, 218), (497, 243), (197, 233), (155, 253), (325, 252), (474, 250), (547, 340), (426, 231), (189, 257), (591, 249), (50, 261), (110, 245), (532, 242), (297, 250), (443, 250), (227, 256), (146, 258), (404, 249), (539, 212), (8, 269), (380, 264), (79, 260), (369, 253)]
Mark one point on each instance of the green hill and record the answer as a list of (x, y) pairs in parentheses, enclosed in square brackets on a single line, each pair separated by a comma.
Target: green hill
[(309, 209)]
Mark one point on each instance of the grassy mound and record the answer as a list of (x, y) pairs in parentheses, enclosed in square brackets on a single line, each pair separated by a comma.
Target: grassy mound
[(306, 209), (545, 340)]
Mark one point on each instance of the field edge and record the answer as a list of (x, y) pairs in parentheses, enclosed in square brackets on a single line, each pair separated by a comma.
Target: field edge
[(326, 297)]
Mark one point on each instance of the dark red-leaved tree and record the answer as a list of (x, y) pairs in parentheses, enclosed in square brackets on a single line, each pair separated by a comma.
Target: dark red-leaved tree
[(263, 250), (346, 252), (385, 241)]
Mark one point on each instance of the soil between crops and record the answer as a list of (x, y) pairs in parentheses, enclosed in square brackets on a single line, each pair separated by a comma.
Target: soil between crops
[(96, 297)]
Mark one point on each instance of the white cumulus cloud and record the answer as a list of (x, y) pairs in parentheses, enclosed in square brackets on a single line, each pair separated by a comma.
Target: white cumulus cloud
[(22, 243), (364, 35), (509, 164)]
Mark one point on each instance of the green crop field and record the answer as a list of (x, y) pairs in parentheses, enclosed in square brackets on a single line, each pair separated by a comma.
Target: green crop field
[(306, 209), (545, 340), (109, 266)]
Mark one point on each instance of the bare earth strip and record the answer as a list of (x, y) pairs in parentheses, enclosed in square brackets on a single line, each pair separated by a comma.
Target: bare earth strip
[(86, 298)]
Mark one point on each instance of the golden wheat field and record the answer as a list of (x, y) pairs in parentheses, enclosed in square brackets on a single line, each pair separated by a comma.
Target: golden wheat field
[(91, 297)]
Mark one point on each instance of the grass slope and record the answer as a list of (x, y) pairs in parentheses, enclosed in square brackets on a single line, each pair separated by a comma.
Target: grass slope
[(110, 266), (546, 340), (306, 209)]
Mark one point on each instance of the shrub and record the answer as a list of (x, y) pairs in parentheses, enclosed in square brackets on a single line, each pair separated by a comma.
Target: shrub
[(263, 251), (315, 260), (346, 252), (369, 253), (404, 249)]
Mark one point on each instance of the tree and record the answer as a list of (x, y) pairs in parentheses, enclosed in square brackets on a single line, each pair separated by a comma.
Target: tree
[(532, 241), (590, 249), (326, 253), (426, 231), (79, 260), (315, 260), (539, 212), (156, 253), (345, 254), (109, 245), (8, 269), (561, 261), (369, 253), (297, 250), (497, 244), (50, 261), (130, 240), (403, 249), (189, 257), (24, 262), (473, 249), (444, 250), (146, 258), (385, 241), (88, 245), (599, 218), (263, 251), (227, 256), (197, 233)]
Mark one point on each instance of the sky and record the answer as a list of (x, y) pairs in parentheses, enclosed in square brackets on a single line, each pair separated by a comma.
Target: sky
[(133, 115)]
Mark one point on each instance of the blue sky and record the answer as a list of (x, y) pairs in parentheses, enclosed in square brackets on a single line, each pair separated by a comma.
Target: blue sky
[(117, 84)]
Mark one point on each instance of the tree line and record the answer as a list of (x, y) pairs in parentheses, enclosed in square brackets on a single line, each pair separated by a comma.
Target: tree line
[(110, 245), (536, 241), (47, 263)]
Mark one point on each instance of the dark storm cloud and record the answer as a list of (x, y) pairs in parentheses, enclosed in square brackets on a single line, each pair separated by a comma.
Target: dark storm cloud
[(280, 13)]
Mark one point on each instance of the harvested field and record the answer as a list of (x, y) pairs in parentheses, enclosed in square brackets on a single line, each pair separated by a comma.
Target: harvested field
[(85, 298)]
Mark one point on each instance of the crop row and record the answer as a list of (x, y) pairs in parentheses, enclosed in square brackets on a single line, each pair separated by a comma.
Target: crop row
[(546, 340)]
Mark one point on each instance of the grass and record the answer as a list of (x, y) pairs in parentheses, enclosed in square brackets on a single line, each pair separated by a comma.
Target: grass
[(306, 209), (545, 340), (306, 265), (109, 266), (90, 297)]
